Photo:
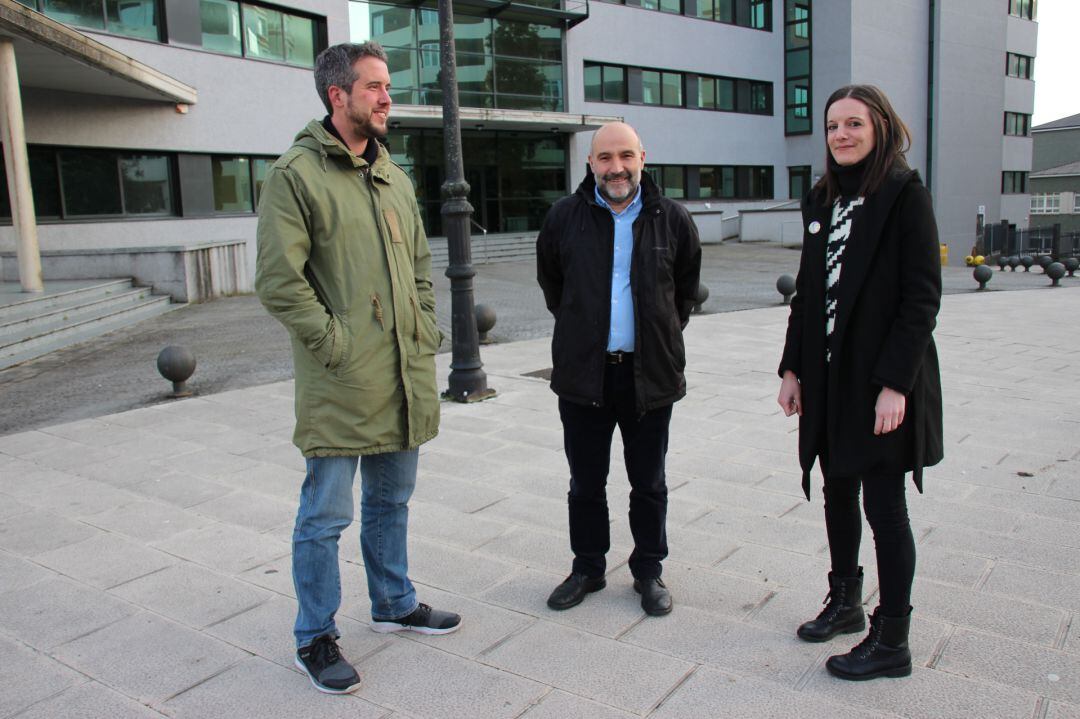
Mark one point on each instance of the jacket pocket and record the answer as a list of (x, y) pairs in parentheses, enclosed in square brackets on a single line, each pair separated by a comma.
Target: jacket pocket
[(426, 334)]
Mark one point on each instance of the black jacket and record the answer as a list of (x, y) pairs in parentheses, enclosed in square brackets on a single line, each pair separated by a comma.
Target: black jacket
[(574, 257), (889, 294)]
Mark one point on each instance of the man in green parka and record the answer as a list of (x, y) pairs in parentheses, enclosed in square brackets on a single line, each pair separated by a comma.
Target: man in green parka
[(344, 264)]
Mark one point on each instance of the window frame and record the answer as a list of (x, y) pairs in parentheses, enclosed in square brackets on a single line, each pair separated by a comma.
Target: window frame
[(318, 43), (1011, 180), (159, 16)]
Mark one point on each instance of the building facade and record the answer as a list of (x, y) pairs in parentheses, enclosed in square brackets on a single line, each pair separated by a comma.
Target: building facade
[(727, 95), (1055, 174)]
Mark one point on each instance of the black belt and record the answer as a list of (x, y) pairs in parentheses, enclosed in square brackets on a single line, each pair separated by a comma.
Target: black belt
[(618, 357)]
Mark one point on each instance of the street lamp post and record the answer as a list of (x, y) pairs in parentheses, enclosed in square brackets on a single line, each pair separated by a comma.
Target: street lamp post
[(468, 382)]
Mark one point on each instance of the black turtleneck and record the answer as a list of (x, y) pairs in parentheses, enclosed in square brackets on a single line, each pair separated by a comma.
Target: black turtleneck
[(371, 150), (849, 177)]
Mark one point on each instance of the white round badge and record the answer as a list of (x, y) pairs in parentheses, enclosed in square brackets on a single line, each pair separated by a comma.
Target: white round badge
[(815, 227)]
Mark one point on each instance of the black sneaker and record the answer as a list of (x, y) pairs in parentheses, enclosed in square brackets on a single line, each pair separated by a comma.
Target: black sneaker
[(328, 671), (423, 620)]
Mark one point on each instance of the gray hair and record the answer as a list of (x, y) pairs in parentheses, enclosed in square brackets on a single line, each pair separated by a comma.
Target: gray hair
[(334, 66)]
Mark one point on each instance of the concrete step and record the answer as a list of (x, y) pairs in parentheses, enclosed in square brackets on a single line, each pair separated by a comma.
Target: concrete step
[(13, 352), (37, 304), (80, 308)]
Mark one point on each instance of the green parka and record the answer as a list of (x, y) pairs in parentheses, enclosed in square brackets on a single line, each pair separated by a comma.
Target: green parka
[(344, 264)]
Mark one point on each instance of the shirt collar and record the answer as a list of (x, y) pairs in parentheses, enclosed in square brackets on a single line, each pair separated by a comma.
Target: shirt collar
[(635, 203)]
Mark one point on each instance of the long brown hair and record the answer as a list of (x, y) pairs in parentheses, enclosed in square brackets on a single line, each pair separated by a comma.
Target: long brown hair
[(892, 140)]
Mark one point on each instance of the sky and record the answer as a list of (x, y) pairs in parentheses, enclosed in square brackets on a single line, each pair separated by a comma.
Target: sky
[(1057, 61)]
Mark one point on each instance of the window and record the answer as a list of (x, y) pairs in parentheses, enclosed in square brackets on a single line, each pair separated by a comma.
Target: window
[(798, 181), (258, 31), (730, 182), (605, 83), (1018, 65), (673, 182), (134, 18), (232, 184), (1023, 8), (754, 14), (1014, 182), (1017, 123), (1046, 203), (797, 72), (609, 83)]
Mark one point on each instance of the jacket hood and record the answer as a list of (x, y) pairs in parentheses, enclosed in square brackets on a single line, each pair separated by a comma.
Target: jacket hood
[(650, 192), (314, 137)]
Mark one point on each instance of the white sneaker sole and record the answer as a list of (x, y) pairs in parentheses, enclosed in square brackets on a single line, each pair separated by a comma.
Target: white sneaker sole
[(390, 627), (321, 687)]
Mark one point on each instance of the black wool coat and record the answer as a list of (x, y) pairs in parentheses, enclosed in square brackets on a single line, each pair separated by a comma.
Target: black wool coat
[(574, 257), (888, 299)]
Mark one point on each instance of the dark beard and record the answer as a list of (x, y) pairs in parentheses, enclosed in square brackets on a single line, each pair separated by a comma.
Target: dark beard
[(611, 198)]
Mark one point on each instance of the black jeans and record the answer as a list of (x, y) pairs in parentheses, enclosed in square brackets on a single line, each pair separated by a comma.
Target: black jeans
[(886, 512), (587, 433)]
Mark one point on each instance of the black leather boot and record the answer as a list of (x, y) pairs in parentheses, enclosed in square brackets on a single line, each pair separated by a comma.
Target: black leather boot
[(884, 652), (843, 612)]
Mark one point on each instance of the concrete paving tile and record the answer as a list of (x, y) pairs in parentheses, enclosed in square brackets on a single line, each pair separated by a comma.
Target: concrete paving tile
[(57, 610), (105, 560), (926, 693), (703, 638), (16, 573), (210, 463), (561, 705), (949, 567), (709, 461), (451, 493), (1064, 488), (989, 612), (710, 492), (452, 526), (453, 442), (452, 569), (546, 437), (94, 432), (776, 568), (539, 512), (121, 471), (1043, 506), (966, 514), (598, 668), (258, 688), (469, 424), (91, 700), (483, 625), (29, 479), (252, 510), (609, 612), (34, 532), (783, 533), (148, 521), (81, 498), (226, 548), (9, 506), (266, 631), (275, 575), (713, 591), (242, 441), (458, 465), (535, 548), (533, 481), (285, 455), (21, 444), (518, 453), (69, 455), (269, 478), (28, 676), (989, 477), (694, 547), (1057, 710), (192, 595), (1043, 671), (1053, 588), (182, 490), (422, 681), (712, 693), (999, 546), (148, 658)]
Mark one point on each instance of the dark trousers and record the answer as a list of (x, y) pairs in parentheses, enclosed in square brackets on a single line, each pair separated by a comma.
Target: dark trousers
[(587, 433), (886, 511)]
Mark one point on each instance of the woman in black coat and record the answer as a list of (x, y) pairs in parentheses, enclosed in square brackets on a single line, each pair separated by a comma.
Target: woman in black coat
[(861, 370)]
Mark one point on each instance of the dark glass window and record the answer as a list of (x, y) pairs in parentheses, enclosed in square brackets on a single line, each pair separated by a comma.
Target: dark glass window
[(90, 182), (1014, 182), (134, 18), (756, 14), (744, 182), (259, 32), (221, 26), (594, 83), (797, 67), (614, 84), (798, 181), (1023, 8), (146, 181), (1017, 123), (672, 89), (650, 87), (259, 167), (1018, 65), (674, 181), (707, 93), (232, 184)]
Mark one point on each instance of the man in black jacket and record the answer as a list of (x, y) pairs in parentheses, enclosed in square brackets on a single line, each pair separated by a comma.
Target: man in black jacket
[(619, 266)]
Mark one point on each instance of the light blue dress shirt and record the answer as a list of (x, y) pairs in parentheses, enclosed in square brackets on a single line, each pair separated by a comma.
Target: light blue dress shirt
[(621, 334)]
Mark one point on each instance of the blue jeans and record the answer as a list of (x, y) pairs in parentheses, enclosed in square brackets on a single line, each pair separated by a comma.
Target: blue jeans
[(326, 508)]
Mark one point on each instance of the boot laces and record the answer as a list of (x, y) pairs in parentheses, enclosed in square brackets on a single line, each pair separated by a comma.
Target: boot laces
[(870, 642)]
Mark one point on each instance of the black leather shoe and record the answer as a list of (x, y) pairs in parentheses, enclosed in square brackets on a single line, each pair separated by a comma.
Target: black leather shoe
[(573, 590), (655, 597)]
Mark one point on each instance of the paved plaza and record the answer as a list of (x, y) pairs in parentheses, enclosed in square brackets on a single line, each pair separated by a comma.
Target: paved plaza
[(144, 556)]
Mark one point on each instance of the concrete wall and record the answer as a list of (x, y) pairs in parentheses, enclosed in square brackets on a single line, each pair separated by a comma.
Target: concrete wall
[(1052, 148)]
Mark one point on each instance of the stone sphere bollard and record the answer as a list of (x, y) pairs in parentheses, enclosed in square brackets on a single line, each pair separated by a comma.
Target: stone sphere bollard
[(785, 285), (485, 320), (177, 364), (1003, 262), (1044, 261), (982, 275), (1055, 271), (1071, 264), (1027, 261), (1014, 260), (700, 296)]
